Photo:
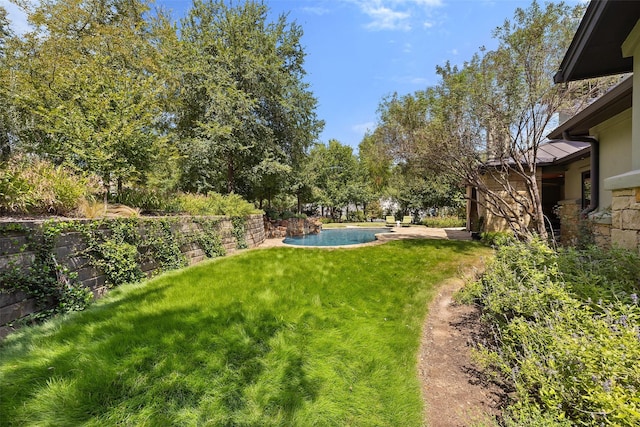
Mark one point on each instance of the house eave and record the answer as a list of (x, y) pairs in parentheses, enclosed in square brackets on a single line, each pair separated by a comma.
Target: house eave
[(595, 50), (614, 102)]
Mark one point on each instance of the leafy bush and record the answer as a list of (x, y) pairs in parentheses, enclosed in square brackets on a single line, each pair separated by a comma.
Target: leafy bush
[(357, 216), (287, 215), (231, 205), (443, 222), (571, 361), (148, 200), (272, 214), (38, 187), (496, 238)]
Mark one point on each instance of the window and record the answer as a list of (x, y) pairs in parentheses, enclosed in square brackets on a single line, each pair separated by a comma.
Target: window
[(586, 189)]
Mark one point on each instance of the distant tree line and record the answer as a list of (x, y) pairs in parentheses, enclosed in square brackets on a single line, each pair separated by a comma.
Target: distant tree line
[(218, 102), (116, 89)]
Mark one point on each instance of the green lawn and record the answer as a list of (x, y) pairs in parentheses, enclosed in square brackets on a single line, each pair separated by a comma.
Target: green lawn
[(268, 337)]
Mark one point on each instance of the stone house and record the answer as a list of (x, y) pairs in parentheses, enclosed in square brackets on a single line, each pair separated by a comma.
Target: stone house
[(607, 42), (561, 176)]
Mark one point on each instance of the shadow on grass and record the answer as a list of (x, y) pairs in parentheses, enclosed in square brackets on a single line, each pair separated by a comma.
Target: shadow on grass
[(458, 246), (119, 363)]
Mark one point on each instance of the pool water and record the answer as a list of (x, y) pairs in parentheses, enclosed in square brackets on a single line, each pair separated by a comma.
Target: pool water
[(337, 237)]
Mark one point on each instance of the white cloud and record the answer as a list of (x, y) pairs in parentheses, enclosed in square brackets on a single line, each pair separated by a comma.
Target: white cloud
[(408, 48), (454, 51), (17, 17), (384, 18), (316, 10), (429, 3), (395, 14), (427, 24), (363, 128)]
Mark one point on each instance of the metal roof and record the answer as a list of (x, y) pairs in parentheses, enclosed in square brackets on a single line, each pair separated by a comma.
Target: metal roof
[(596, 47), (553, 153)]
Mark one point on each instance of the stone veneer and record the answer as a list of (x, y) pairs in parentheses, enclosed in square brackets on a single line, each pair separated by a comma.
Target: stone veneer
[(571, 225), (625, 218), (569, 214), (68, 246), (291, 227)]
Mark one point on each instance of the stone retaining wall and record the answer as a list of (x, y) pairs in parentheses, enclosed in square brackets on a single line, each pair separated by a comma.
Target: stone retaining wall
[(291, 227), (16, 252), (625, 218)]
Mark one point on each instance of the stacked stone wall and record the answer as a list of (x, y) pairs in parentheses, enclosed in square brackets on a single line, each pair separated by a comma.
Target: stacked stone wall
[(276, 229), (16, 252), (569, 213), (625, 218)]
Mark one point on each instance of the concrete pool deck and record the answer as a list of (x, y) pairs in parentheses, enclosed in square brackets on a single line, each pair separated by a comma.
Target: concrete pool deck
[(397, 233)]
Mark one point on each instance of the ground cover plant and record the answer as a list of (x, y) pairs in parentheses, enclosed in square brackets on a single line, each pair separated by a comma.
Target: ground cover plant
[(444, 221), (39, 187), (566, 329), (268, 337)]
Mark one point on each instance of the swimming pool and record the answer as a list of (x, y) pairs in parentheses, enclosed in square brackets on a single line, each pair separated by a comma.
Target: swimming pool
[(337, 237)]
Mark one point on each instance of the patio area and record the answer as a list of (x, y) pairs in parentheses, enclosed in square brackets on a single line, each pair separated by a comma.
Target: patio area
[(397, 233)]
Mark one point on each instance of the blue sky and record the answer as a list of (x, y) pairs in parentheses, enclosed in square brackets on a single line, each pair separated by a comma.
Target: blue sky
[(359, 51)]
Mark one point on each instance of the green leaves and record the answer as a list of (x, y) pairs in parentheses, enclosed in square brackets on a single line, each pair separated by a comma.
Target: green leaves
[(88, 76), (244, 99), (566, 333)]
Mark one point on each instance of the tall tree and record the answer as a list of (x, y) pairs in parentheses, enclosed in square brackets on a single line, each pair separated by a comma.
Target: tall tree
[(483, 123), (245, 99), (88, 75), (404, 144), (504, 102), (333, 168), (5, 99)]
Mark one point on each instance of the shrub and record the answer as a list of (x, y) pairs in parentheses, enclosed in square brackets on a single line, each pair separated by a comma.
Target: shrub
[(497, 238), (443, 222), (272, 214), (287, 215), (38, 187), (232, 205), (148, 200), (357, 216), (569, 359)]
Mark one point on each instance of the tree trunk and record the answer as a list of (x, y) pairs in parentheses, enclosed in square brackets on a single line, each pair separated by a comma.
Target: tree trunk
[(537, 206), (230, 183)]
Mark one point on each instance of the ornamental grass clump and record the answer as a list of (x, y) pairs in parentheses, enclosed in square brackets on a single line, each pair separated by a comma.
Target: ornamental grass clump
[(232, 205), (29, 186), (443, 222), (566, 329)]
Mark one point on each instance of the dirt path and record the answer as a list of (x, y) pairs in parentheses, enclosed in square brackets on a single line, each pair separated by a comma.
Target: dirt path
[(454, 392), (452, 388)]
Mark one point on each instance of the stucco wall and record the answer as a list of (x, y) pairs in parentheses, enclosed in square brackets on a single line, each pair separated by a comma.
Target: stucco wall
[(573, 178), (615, 151), (631, 47)]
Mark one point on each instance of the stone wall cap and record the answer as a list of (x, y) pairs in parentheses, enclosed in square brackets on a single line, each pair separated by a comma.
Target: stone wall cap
[(626, 180)]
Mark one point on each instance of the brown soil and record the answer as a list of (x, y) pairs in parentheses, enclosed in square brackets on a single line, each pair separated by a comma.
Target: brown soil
[(455, 392)]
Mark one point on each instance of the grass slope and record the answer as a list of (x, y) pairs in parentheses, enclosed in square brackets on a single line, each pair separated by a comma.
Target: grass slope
[(271, 337)]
